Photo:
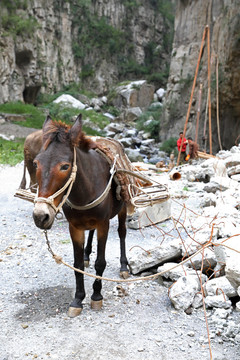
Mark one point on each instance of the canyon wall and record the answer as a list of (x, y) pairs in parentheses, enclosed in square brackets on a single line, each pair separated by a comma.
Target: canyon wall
[(91, 43), (223, 19)]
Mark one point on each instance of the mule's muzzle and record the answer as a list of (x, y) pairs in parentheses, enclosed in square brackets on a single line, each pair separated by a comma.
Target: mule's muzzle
[(43, 216)]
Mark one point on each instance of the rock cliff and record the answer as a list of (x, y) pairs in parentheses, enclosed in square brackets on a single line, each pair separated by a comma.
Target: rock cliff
[(46, 44), (223, 19)]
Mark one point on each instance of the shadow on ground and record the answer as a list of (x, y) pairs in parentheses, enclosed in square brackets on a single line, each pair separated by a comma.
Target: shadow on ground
[(44, 303)]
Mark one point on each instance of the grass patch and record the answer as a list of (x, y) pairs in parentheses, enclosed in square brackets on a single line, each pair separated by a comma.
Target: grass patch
[(11, 152), (34, 116)]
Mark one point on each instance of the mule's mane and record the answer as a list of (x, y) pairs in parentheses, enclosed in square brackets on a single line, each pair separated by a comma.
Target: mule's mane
[(60, 132)]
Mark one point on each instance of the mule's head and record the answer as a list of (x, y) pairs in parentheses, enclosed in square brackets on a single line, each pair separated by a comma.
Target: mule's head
[(53, 167)]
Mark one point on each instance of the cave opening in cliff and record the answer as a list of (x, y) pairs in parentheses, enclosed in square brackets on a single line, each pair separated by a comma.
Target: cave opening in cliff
[(30, 94), (23, 57)]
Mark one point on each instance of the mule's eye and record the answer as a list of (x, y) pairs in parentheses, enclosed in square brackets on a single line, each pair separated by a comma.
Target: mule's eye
[(64, 167), (35, 164)]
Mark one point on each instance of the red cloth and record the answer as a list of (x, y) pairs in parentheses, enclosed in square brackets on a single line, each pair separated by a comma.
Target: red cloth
[(184, 147)]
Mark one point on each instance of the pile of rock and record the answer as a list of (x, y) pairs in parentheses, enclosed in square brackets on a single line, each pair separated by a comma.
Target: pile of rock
[(138, 145), (203, 231), (131, 100)]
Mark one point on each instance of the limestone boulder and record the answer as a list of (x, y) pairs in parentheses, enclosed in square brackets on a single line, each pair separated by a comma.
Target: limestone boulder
[(69, 100), (134, 94), (184, 290), (140, 260), (220, 285)]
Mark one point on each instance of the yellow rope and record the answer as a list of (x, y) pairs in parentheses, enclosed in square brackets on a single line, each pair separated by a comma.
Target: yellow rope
[(59, 260)]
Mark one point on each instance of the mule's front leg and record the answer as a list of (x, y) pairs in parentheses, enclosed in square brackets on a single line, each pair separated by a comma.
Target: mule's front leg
[(78, 248), (100, 264)]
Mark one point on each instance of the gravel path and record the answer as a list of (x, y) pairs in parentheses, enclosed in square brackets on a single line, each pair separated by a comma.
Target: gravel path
[(136, 323), (35, 293)]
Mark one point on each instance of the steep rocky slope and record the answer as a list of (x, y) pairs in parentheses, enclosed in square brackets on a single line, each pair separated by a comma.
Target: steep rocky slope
[(45, 45)]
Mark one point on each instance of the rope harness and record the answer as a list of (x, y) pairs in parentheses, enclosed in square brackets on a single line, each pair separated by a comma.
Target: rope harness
[(69, 184), (100, 198), (157, 194), (144, 198)]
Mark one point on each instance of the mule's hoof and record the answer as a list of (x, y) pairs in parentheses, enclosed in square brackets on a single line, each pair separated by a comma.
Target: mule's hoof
[(86, 263), (124, 274), (96, 305), (74, 311)]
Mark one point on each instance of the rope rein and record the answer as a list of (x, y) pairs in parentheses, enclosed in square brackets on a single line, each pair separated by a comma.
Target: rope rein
[(59, 260)]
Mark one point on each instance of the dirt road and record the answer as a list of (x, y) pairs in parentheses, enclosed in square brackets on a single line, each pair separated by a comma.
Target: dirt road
[(35, 293)]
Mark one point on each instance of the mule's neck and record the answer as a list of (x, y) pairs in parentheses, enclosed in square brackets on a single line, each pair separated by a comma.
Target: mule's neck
[(91, 178)]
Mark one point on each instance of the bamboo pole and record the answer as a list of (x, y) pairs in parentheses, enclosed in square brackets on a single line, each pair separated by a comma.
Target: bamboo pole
[(198, 112), (193, 88), (204, 155), (205, 125), (217, 103), (209, 91)]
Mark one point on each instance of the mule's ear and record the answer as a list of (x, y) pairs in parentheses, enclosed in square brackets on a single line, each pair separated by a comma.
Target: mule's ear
[(46, 131), (47, 122), (76, 131)]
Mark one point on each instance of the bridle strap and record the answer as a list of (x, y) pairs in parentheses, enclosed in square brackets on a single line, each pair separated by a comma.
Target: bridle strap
[(69, 184), (100, 198)]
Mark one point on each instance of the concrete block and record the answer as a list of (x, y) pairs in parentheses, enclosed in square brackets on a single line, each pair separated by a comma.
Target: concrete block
[(150, 215)]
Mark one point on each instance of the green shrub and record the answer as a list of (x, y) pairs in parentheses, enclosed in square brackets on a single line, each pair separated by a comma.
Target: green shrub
[(169, 146), (16, 25), (153, 127)]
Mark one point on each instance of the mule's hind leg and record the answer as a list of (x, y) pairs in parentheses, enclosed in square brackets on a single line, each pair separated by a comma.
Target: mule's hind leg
[(122, 235), (88, 248), (100, 264), (78, 248)]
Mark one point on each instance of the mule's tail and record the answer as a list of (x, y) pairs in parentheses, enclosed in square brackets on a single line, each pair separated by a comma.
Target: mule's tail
[(23, 181)]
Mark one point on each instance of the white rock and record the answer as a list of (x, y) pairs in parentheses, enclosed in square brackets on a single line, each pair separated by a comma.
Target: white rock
[(208, 200), (69, 100), (126, 141), (110, 116), (140, 260), (116, 127), (232, 268), (160, 93), (227, 253), (219, 301), (197, 301), (232, 160), (176, 273), (149, 215), (4, 137), (183, 291), (132, 114), (218, 285), (238, 306), (207, 259)]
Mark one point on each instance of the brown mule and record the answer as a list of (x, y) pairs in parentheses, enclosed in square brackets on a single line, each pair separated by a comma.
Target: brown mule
[(55, 165)]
